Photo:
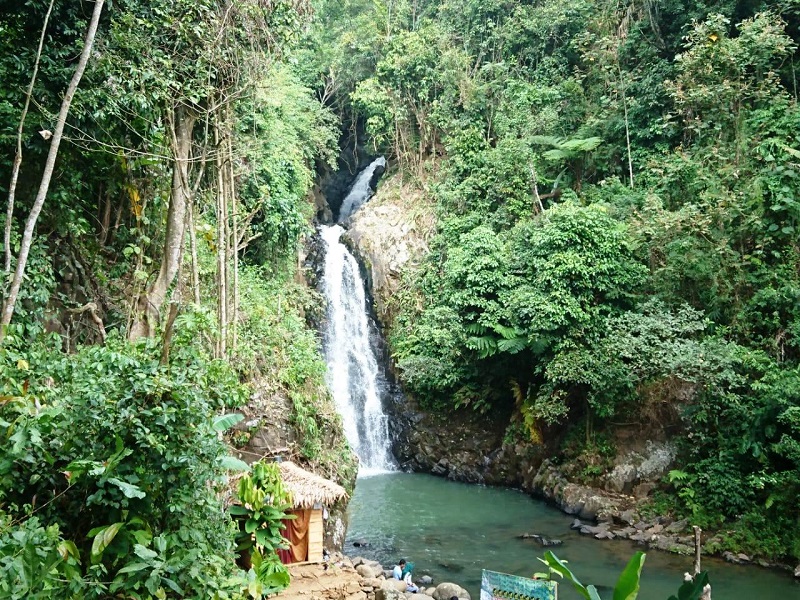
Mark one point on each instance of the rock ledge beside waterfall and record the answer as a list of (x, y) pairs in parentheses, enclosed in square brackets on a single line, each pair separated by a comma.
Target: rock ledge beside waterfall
[(389, 234)]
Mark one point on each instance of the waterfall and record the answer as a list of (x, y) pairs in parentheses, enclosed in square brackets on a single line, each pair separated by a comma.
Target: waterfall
[(360, 192), (353, 374)]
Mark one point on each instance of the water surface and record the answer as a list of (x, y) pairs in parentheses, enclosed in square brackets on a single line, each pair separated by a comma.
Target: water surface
[(452, 530)]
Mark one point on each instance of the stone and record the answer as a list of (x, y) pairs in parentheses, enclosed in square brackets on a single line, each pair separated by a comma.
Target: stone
[(595, 529), (626, 532), (572, 499), (357, 560), (372, 582), (576, 524), (445, 591), (643, 489), (730, 557), (655, 529), (604, 535), (361, 543), (393, 584), (621, 478), (663, 543), (359, 595), (551, 542), (743, 557), (797, 571), (425, 580), (441, 467), (389, 593), (677, 526), (629, 517), (367, 571), (594, 506), (420, 597), (352, 587)]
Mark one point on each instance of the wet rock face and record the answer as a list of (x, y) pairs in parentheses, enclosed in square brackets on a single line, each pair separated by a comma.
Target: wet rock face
[(636, 471)]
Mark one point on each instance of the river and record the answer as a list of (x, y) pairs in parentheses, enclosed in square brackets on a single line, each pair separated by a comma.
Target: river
[(452, 530)]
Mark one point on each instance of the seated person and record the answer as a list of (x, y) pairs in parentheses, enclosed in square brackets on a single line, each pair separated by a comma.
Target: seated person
[(410, 587), (397, 572)]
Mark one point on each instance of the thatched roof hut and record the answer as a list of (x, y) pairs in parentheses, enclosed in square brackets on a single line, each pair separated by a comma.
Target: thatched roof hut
[(310, 494), (309, 489)]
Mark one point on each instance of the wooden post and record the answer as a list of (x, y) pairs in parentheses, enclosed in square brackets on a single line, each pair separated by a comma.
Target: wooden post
[(697, 547), (697, 532)]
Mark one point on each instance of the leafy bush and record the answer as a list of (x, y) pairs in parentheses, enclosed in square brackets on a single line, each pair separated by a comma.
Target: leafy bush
[(118, 454)]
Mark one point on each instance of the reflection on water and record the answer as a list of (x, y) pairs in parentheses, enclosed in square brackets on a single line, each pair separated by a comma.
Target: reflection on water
[(451, 531)]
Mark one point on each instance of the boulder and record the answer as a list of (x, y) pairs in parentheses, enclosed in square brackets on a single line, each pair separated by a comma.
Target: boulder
[(576, 524), (389, 593), (361, 543), (594, 529), (352, 587), (625, 532), (730, 557), (445, 591), (596, 505), (621, 478), (643, 489), (677, 526), (393, 584), (420, 597), (425, 580), (373, 583), (359, 595), (367, 571), (655, 529)]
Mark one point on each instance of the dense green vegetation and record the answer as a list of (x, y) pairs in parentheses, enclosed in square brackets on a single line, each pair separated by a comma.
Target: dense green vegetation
[(616, 192), (617, 202), (158, 296)]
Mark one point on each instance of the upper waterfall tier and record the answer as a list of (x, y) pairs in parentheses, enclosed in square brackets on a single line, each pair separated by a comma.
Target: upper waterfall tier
[(361, 190)]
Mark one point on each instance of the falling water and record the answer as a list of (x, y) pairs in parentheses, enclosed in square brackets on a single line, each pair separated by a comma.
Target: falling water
[(360, 192), (353, 373)]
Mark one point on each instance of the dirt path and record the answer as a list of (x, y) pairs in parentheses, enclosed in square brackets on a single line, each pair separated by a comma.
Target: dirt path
[(313, 582)]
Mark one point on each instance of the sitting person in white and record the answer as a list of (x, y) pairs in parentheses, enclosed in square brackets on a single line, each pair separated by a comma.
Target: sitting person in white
[(402, 572), (397, 572)]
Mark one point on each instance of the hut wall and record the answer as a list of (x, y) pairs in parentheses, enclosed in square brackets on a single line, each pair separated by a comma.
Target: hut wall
[(315, 535)]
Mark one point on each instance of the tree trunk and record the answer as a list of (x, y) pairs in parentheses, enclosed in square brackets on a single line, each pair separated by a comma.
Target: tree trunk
[(105, 217), (12, 188), (47, 174), (234, 236), (222, 277), (148, 305), (195, 265)]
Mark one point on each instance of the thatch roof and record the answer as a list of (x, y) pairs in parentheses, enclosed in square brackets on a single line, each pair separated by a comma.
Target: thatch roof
[(307, 488)]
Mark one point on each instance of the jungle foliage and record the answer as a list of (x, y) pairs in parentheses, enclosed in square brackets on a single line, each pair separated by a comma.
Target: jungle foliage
[(617, 197), (159, 293)]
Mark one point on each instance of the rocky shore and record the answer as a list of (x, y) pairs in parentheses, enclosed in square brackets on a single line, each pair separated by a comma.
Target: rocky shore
[(345, 578), (470, 449)]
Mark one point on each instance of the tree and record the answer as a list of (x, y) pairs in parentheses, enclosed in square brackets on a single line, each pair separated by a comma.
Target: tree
[(30, 224)]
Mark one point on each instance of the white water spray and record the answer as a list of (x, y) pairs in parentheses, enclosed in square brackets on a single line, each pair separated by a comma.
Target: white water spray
[(353, 374), (360, 192)]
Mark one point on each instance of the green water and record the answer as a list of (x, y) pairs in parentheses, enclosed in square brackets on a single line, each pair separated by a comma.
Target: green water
[(451, 531)]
